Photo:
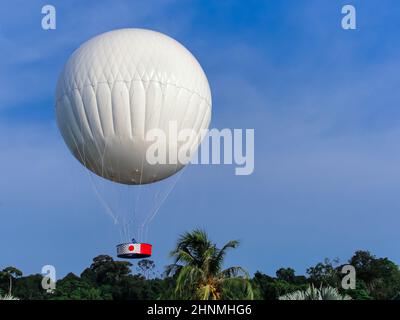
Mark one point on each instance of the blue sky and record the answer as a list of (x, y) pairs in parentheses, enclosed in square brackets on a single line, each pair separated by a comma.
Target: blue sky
[(324, 103)]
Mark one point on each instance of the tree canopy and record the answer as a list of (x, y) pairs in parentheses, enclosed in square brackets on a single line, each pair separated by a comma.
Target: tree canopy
[(198, 272)]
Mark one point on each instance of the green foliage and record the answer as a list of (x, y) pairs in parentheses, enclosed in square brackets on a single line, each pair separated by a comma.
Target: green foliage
[(396, 297), (198, 270), (107, 279), (313, 293), (380, 275), (71, 287), (104, 270), (326, 273), (269, 288), (198, 273), (360, 292), (286, 274), (10, 273), (30, 288), (146, 268), (8, 297)]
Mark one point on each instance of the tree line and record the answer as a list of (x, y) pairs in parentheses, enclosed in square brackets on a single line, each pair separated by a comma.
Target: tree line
[(197, 273)]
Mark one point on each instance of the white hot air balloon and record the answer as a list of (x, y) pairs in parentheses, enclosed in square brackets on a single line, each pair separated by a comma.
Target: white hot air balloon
[(116, 88)]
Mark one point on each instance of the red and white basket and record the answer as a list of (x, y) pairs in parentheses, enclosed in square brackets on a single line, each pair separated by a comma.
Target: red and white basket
[(134, 250)]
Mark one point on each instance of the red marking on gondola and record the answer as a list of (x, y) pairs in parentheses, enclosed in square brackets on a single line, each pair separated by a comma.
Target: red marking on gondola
[(145, 248)]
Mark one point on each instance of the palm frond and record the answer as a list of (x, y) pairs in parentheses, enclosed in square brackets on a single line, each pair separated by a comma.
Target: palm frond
[(221, 253), (234, 272), (197, 267), (172, 269), (237, 288), (204, 292), (312, 293), (187, 280), (8, 297)]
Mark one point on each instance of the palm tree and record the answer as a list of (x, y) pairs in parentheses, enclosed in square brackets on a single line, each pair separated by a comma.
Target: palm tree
[(198, 270), (11, 273), (312, 293)]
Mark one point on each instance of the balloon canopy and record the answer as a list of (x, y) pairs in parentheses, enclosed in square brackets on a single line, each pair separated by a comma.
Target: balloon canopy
[(118, 86)]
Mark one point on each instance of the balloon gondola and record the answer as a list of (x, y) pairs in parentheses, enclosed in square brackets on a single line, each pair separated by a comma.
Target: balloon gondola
[(134, 250)]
